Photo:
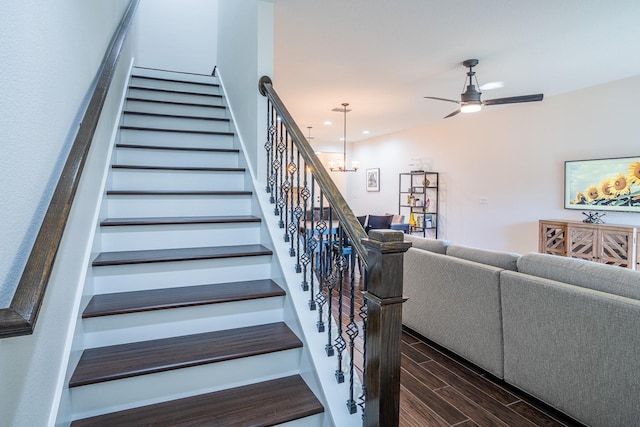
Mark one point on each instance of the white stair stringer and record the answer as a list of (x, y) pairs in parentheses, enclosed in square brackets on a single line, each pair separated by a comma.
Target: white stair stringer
[(168, 173)]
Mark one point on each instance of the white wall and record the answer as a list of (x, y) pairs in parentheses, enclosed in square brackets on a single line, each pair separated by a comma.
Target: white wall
[(245, 53), (178, 35), (51, 52), (513, 156)]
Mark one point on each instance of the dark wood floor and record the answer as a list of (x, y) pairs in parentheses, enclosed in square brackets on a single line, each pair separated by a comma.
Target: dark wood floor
[(440, 389)]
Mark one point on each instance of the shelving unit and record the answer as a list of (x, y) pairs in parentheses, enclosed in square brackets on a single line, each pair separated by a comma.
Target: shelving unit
[(418, 195)]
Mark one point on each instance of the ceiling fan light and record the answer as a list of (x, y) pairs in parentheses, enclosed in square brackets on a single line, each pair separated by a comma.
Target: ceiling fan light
[(470, 108)]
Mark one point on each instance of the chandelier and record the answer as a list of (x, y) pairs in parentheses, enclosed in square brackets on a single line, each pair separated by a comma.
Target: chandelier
[(341, 165)]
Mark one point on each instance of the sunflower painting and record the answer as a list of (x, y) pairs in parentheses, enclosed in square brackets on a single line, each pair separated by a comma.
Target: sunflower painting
[(605, 184)]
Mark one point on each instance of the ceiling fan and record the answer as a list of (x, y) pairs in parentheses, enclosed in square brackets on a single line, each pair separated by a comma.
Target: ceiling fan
[(470, 100)]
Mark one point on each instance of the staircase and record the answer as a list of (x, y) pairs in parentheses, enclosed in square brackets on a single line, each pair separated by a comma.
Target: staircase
[(183, 323)]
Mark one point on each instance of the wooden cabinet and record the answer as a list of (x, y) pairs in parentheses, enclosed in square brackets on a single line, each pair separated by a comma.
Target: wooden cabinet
[(604, 243)]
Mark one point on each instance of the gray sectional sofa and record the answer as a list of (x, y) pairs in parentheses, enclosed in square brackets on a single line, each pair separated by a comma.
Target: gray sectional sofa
[(564, 330)]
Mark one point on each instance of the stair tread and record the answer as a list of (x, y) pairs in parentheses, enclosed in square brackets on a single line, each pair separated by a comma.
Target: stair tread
[(177, 193), (171, 220), (166, 79), (187, 92), (145, 357), (162, 147), (178, 254), (205, 132), (159, 101), (175, 116), (262, 404), (187, 296), (179, 168)]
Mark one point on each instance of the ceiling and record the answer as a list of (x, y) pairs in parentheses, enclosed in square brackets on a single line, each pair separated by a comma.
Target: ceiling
[(384, 56)]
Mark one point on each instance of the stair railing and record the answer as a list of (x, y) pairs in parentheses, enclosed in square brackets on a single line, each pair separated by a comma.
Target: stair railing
[(21, 315), (329, 244)]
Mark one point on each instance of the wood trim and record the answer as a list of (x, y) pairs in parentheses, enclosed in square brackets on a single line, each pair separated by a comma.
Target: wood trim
[(21, 315)]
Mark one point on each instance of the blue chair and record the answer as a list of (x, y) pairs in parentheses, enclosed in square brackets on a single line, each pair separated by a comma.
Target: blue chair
[(346, 243), (377, 222)]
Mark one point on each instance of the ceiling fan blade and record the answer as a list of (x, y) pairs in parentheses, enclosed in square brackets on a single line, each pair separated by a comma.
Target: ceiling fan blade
[(452, 114), (442, 99), (513, 99)]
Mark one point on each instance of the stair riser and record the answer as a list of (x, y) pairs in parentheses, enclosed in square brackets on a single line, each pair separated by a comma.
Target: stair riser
[(127, 328), (177, 109), (162, 275), (138, 71), (164, 122), (175, 139), (177, 236), (128, 179), (149, 206), (312, 421), (171, 85), (174, 97), (127, 393), (135, 156)]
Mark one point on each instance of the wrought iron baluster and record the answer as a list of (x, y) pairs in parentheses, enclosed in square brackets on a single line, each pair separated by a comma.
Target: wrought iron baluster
[(339, 343), (276, 164), (313, 246), (307, 254), (269, 148), (279, 165), (321, 299), (352, 333), (363, 315), (292, 167), (299, 213), (285, 207), (329, 280)]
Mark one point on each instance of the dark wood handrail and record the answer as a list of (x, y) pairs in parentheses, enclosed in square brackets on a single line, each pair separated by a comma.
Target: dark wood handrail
[(21, 315), (347, 218)]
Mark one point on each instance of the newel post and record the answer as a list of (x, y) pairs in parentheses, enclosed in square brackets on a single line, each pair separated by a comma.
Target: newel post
[(386, 250)]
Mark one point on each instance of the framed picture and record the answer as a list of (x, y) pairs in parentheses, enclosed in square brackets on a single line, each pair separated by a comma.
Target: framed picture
[(603, 184), (373, 179)]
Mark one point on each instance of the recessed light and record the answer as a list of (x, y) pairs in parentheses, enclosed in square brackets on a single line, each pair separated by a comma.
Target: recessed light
[(327, 123), (365, 132)]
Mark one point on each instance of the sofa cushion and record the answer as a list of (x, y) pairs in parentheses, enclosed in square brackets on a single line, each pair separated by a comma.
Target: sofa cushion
[(504, 260), (431, 245), (587, 274)]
